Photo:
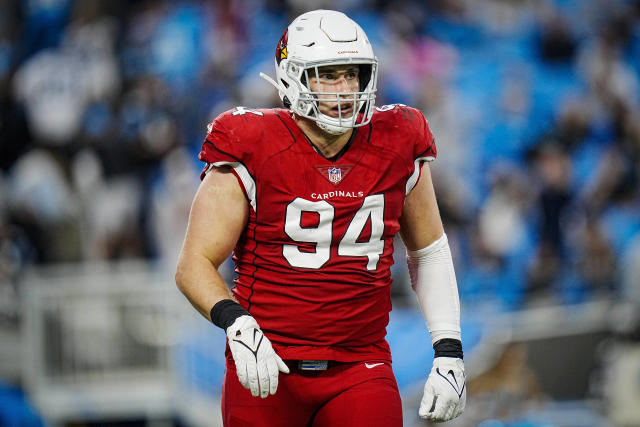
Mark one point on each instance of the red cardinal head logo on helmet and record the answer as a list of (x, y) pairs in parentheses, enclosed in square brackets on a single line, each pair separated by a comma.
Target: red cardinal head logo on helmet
[(281, 48)]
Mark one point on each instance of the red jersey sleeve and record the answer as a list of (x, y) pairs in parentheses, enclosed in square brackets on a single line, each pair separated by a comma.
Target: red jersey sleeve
[(424, 149), (409, 127), (231, 141), (425, 144), (224, 143)]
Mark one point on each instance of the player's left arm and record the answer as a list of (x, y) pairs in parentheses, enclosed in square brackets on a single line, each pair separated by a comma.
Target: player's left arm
[(434, 281)]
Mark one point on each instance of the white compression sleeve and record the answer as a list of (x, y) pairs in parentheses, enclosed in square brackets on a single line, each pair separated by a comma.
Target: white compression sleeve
[(434, 281)]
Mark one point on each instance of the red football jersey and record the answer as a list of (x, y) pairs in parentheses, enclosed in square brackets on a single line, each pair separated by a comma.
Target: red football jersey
[(313, 264)]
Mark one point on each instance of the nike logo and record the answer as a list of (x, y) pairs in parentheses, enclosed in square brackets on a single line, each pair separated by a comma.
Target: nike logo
[(454, 382), (373, 365), (257, 336)]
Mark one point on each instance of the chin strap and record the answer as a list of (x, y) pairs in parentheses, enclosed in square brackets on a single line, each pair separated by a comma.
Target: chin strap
[(270, 80), (333, 130), (285, 100)]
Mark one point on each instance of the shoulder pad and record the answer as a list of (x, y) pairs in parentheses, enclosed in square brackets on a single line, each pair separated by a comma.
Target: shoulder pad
[(241, 135), (408, 125)]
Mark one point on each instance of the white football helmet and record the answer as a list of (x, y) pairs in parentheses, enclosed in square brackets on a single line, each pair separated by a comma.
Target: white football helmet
[(316, 39)]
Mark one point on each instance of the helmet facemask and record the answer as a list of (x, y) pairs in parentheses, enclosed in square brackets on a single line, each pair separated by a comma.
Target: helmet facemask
[(354, 108)]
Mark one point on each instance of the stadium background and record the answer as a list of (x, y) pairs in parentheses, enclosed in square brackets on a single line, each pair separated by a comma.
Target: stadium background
[(104, 104)]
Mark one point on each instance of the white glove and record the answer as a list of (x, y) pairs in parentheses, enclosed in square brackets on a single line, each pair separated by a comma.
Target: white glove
[(257, 363), (445, 393)]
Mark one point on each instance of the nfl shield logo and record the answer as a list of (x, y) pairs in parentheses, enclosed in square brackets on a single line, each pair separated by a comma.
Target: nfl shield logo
[(335, 175)]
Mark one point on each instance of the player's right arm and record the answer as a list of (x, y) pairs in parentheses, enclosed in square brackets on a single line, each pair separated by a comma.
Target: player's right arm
[(218, 215)]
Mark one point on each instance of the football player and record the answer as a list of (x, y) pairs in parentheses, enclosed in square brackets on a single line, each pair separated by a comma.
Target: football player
[(308, 200)]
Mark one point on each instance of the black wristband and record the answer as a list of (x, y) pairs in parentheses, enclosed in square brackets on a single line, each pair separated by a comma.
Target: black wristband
[(448, 347), (225, 312)]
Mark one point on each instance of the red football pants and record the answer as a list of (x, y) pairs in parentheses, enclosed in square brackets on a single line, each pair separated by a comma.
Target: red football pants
[(346, 395)]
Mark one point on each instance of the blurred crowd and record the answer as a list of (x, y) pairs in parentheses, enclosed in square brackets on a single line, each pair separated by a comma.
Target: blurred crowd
[(534, 104)]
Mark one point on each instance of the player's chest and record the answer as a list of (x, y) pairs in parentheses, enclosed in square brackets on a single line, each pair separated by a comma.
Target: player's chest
[(358, 183), (305, 173)]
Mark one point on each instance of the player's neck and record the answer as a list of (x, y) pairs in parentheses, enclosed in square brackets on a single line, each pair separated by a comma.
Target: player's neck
[(327, 144)]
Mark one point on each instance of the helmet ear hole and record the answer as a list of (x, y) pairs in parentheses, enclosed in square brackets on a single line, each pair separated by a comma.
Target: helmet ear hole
[(286, 102), (365, 75)]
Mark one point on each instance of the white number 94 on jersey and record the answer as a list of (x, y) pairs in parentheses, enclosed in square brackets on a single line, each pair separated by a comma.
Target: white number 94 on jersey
[(372, 209)]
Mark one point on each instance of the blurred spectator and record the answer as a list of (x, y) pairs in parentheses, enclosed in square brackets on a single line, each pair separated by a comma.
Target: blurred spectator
[(502, 218), (595, 260), (615, 197), (42, 203), (556, 42), (56, 84), (113, 211), (601, 64), (552, 170), (500, 240)]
